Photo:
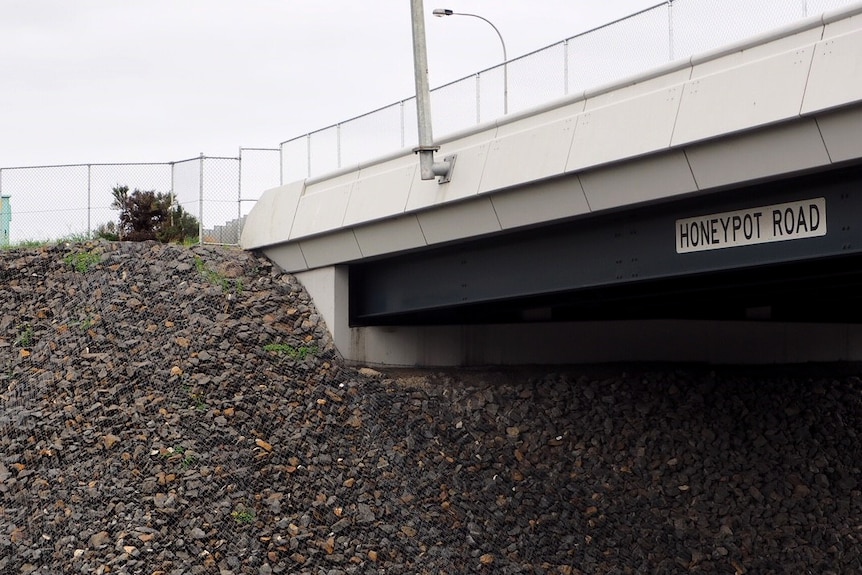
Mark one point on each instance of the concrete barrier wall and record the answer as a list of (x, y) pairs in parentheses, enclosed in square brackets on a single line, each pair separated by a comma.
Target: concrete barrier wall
[(703, 125)]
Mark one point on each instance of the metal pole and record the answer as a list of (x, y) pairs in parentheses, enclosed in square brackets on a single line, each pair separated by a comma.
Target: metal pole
[(447, 12), (89, 201), (670, 49), (308, 153), (505, 82), (566, 67), (338, 144), (478, 99), (4, 240), (403, 135), (173, 189), (201, 202), (505, 59), (427, 166), (239, 196)]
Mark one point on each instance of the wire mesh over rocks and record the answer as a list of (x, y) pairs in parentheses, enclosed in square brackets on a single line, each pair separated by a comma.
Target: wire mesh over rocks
[(169, 410)]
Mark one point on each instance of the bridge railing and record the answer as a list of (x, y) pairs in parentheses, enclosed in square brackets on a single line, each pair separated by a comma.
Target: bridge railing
[(669, 31)]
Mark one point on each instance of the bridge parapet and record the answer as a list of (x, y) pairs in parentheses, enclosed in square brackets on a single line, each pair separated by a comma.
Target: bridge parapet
[(781, 103)]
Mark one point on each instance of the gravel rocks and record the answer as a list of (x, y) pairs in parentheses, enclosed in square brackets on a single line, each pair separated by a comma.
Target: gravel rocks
[(182, 410)]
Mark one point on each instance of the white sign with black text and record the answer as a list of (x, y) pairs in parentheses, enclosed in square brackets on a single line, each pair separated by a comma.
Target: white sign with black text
[(776, 223)]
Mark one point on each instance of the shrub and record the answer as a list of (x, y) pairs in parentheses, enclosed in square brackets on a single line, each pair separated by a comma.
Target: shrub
[(108, 232), (151, 215)]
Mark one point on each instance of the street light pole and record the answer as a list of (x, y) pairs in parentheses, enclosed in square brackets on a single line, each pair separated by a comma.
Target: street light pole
[(428, 168), (440, 12)]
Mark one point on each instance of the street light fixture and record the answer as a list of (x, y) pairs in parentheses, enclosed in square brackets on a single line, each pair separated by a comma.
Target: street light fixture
[(441, 12)]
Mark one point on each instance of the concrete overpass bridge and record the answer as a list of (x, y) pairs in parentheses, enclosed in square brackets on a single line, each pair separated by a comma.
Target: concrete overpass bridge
[(706, 211)]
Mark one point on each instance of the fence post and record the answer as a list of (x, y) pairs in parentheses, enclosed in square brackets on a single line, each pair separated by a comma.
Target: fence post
[(566, 67), (478, 100), (239, 196), (4, 239), (338, 144), (173, 190), (308, 151), (402, 124), (201, 202), (5, 230), (670, 55), (89, 200)]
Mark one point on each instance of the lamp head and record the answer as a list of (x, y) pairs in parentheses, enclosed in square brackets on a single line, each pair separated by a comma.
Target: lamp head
[(440, 12)]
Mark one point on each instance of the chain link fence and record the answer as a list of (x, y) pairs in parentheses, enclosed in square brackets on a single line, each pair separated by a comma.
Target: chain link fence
[(666, 32), (42, 203), (71, 201)]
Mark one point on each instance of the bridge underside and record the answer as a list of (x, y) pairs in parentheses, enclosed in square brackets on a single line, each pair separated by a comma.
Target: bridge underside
[(628, 265)]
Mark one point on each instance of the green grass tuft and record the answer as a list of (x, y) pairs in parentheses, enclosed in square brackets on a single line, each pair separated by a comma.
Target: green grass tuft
[(212, 276), (290, 351), (81, 262)]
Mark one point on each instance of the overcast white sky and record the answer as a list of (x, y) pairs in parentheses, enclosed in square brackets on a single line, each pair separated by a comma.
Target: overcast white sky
[(95, 81)]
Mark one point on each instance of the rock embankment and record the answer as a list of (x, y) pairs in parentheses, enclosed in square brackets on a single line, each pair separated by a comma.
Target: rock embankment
[(166, 410)]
